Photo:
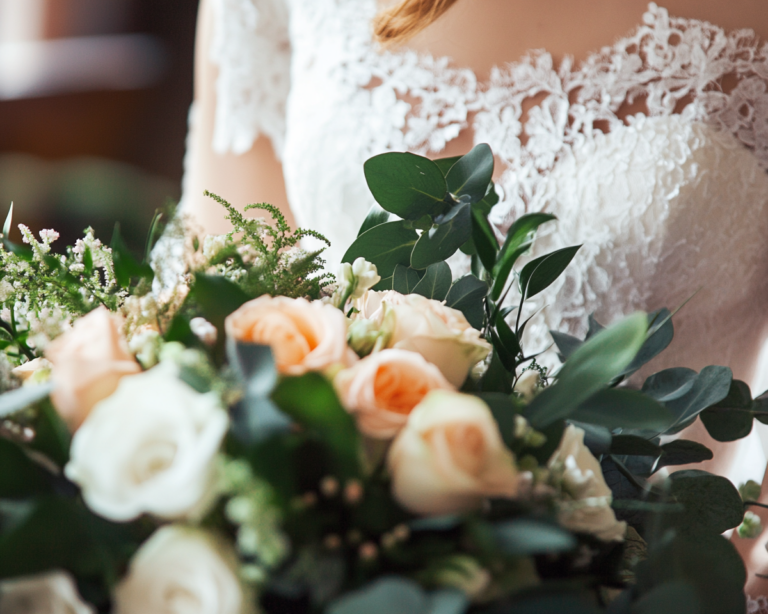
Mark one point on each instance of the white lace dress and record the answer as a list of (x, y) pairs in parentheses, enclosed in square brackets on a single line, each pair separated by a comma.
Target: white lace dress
[(665, 202)]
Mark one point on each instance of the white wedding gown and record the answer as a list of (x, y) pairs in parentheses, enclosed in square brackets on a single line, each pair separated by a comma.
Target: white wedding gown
[(665, 202)]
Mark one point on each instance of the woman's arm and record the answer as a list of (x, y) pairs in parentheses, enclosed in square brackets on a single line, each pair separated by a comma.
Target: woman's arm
[(255, 176)]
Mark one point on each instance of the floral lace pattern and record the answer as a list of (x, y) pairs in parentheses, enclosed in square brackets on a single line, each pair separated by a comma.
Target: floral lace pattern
[(757, 606), (648, 195)]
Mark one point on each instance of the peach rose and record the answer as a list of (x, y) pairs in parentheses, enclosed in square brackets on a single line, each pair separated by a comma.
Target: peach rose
[(383, 388), (303, 336), (450, 457), (88, 362)]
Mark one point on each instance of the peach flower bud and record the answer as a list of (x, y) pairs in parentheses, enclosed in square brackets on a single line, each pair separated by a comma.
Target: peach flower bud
[(382, 389), (88, 362), (303, 336), (450, 457)]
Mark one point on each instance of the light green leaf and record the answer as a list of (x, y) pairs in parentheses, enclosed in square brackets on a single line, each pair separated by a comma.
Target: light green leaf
[(376, 216), (8, 222), (467, 296), (440, 242), (538, 274), (405, 279), (385, 245)]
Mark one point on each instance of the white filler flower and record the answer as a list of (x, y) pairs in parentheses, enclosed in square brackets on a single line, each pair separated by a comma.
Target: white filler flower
[(184, 571), (50, 593), (149, 448)]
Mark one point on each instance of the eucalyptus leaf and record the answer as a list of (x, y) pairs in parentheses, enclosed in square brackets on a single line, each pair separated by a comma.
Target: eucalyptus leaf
[(731, 418), (590, 369), (385, 245), (540, 273), (566, 344), (519, 240), (20, 477), (658, 340), (396, 594), (405, 184), (711, 386), (496, 378), (466, 295), (21, 398), (669, 384), (436, 282), (445, 164), (442, 241), (712, 503), (621, 408), (472, 173), (683, 452), (633, 445), (676, 597), (376, 216), (529, 537), (405, 279), (597, 438), (490, 200), (484, 239)]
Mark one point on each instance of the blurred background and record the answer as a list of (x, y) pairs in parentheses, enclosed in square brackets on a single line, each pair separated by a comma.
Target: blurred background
[(94, 96)]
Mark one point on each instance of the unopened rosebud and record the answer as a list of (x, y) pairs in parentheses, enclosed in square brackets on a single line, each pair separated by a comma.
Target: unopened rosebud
[(203, 330), (329, 486), (368, 551), (749, 491), (362, 337), (366, 277), (528, 384), (751, 526)]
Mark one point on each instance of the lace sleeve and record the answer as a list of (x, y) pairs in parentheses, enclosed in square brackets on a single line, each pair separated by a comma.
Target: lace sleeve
[(252, 50)]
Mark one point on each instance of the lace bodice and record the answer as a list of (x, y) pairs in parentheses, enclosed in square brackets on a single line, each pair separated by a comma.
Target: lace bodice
[(665, 202)]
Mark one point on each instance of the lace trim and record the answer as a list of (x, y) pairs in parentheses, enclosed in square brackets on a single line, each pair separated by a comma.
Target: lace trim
[(757, 606), (253, 52)]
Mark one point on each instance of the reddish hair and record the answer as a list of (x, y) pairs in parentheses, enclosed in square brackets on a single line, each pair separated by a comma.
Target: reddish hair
[(407, 19)]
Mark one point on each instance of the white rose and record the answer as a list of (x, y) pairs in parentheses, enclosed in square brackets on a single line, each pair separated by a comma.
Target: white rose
[(150, 447), (184, 571), (49, 593), (440, 334), (587, 504), (450, 457)]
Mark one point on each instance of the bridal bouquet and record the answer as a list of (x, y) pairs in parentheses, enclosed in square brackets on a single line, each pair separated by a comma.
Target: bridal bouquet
[(265, 438)]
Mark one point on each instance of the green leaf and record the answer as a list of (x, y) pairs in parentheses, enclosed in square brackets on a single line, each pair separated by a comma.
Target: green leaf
[(519, 240), (8, 222), (504, 410), (445, 164), (217, 297), (126, 266), (376, 216), (566, 344), (683, 452), (712, 503), (471, 174), (621, 408), (392, 594), (490, 201), (552, 601), (731, 418), (52, 437), (538, 274), (20, 476), (484, 239), (632, 445), (510, 344), (385, 245), (87, 261), (436, 282), (405, 279), (312, 402), (528, 537), (255, 418), (406, 184), (21, 398), (21, 251), (677, 597), (442, 241), (591, 368), (467, 296), (496, 378), (659, 337), (669, 384), (710, 387)]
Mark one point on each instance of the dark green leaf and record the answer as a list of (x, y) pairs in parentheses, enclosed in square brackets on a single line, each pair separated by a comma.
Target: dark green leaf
[(552, 601), (538, 274), (436, 282), (406, 184), (405, 279), (669, 384), (621, 408), (597, 438), (87, 261), (712, 503), (442, 241), (676, 597), (504, 411), (484, 239), (312, 402), (659, 338), (528, 537), (19, 475), (519, 240), (472, 173), (21, 251), (255, 417), (445, 164), (510, 344), (52, 437), (21, 398), (632, 445), (467, 296), (217, 297), (566, 344), (180, 330), (682, 452), (591, 368), (496, 378), (376, 216), (490, 201), (126, 266), (385, 245), (395, 594), (710, 387), (731, 418)]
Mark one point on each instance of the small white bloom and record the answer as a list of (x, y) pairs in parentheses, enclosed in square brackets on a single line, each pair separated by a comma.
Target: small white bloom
[(213, 244), (149, 448), (49, 593), (185, 571), (366, 276), (48, 235), (6, 291), (203, 330)]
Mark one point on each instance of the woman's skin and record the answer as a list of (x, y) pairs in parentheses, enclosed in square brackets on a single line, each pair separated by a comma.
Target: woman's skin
[(477, 34)]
